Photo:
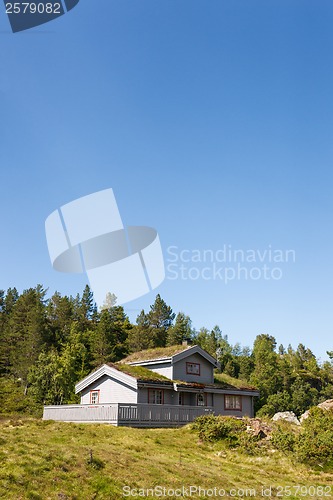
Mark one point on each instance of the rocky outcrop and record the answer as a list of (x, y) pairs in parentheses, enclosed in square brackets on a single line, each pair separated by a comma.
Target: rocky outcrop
[(288, 416), (304, 416), (258, 428), (326, 405)]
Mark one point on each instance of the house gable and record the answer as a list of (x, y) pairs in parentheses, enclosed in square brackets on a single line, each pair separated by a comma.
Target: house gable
[(192, 364), (106, 370), (107, 389), (196, 350), (111, 385), (193, 368)]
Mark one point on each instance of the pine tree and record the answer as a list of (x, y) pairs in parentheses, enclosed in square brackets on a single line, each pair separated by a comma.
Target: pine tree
[(213, 342), (180, 331), (85, 309), (266, 375), (160, 318), (245, 363), (27, 331), (108, 341), (142, 335), (60, 314), (7, 304)]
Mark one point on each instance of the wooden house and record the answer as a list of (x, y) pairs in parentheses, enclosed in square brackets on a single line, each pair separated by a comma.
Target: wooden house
[(158, 387)]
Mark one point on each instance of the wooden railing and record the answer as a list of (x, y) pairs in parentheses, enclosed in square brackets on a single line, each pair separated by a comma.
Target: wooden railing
[(135, 415)]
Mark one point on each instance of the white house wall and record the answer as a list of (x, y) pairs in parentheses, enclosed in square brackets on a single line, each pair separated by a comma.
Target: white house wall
[(206, 370), (111, 391), (164, 369)]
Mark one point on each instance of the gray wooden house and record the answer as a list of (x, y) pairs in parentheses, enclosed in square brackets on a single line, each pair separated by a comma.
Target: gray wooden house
[(157, 387)]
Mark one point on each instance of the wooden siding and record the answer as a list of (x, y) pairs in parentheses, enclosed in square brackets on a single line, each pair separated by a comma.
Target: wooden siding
[(206, 370), (164, 369), (219, 408), (132, 415), (110, 390), (170, 396)]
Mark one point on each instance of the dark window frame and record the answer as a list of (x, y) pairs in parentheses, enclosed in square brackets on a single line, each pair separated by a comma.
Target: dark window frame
[(204, 394), (227, 407), (191, 372), (181, 398), (150, 391)]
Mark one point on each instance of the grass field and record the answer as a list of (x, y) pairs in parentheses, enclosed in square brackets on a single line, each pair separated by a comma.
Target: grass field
[(55, 460)]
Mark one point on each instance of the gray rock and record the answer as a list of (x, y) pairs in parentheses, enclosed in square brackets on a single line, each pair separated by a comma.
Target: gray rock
[(304, 416), (326, 405), (258, 428), (288, 416)]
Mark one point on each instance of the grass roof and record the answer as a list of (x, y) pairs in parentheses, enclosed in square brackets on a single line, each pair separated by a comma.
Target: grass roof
[(157, 353), (221, 380), (140, 373), (227, 382)]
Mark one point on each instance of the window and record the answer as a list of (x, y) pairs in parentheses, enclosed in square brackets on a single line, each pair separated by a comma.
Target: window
[(156, 396), (94, 397), (181, 398), (201, 399), (193, 368), (233, 403)]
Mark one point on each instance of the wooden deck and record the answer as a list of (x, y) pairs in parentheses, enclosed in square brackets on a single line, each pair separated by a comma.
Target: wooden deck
[(131, 415)]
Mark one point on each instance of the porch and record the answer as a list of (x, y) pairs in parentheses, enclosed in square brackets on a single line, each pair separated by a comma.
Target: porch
[(131, 415)]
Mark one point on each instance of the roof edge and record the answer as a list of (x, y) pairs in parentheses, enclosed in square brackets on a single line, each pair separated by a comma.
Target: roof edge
[(196, 349), (105, 370)]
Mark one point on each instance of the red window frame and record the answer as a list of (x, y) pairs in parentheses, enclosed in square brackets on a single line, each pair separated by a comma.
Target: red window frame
[(150, 391), (190, 372), (98, 394), (227, 407)]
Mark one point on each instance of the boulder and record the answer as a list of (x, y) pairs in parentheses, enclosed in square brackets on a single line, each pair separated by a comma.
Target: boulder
[(288, 416), (326, 405), (304, 416), (258, 428)]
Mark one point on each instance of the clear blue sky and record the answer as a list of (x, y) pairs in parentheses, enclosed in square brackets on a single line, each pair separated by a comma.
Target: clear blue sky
[(213, 123)]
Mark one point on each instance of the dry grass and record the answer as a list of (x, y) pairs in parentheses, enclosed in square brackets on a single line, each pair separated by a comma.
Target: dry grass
[(157, 353), (141, 373), (53, 460), (222, 378)]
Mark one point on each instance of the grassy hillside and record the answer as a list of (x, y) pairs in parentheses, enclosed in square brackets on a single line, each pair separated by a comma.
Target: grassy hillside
[(53, 460)]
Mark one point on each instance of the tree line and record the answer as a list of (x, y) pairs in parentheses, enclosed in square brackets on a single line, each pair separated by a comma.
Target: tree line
[(49, 344)]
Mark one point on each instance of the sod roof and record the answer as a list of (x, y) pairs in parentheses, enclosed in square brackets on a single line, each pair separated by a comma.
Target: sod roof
[(225, 382), (157, 353), (140, 373), (221, 381)]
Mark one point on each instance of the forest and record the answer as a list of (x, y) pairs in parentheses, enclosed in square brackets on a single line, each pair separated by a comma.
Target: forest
[(49, 344)]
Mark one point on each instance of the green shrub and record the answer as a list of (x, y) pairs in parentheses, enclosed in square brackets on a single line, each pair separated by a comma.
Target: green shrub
[(280, 401), (14, 400), (315, 443), (249, 444), (312, 444), (283, 439), (213, 428)]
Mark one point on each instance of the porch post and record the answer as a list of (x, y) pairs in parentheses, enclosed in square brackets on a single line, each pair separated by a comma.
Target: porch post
[(118, 414)]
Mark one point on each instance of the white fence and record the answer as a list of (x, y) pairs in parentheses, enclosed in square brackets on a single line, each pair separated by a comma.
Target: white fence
[(133, 415)]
